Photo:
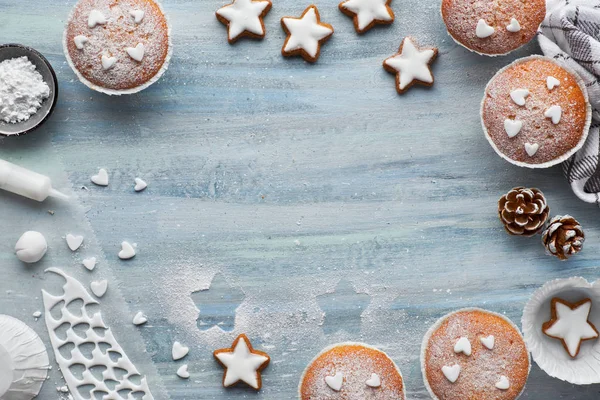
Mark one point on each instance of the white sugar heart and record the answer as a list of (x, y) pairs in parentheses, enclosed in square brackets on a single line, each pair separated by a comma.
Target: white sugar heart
[(127, 251), (140, 185), (451, 373), (101, 179), (519, 95), (514, 26), (89, 263), (99, 287), (138, 15), (74, 242), (555, 113), (552, 82), (488, 341), (503, 383), (137, 52), (80, 41), (179, 351), (374, 381), (139, 319), (463, 346), (335, 382), (512, 127), (531, 149), (96, 18), (182, 372), (483, 30), (108, 62)]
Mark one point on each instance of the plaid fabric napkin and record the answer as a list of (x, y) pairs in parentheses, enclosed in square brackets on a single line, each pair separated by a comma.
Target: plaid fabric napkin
[(571, 33)]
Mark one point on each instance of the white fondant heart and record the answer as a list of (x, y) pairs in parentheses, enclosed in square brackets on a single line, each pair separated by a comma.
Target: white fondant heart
[(96, 18), (335, 382), (74, 242), (488, 341), (555, 113), (182, 372), (374, 381), (512, 127), (179, 351), (101, 179), (519, 95), (552, 82), (531, 149), (127, 251), (514, 26), (99, 287), (140, 185), (108, 62), (89, 263), (139, 319), (483, 30), (138, 15), (80, 41), (451, 372), (137, 52), (503, 383), (463, 346)]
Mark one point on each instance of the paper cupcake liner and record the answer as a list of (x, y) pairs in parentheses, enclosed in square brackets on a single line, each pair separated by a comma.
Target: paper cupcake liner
[(439, 323), (119, 92), (586, 129), (548, 352)]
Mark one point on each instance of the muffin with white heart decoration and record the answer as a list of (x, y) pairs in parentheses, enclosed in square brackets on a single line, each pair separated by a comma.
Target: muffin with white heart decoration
[(535, 112), (118, 47)]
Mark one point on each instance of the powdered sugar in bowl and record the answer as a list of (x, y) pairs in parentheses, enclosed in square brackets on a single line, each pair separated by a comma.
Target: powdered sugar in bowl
[(23, 112)]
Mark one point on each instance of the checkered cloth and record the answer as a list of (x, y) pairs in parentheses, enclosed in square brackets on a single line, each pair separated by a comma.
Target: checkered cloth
[(571, 33)]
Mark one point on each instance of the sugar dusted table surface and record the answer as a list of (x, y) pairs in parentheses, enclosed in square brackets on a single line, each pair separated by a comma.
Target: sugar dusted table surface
[(322, 203)]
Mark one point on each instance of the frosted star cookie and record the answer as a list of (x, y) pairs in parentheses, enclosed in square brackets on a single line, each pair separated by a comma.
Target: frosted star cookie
[(244, 18), (493, 27), (117, 47), (242, 363), (305, 35), (474, 354), (351, 371), (411, 65), (368, 13)]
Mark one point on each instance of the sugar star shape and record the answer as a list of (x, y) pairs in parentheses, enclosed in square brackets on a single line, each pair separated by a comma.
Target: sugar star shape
[(367, 13), (242, 363), (411, 65), (244, 18), (569, 323), (305, 34)]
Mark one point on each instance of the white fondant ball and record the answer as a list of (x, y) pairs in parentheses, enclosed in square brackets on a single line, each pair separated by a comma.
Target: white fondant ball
[(31, 247)]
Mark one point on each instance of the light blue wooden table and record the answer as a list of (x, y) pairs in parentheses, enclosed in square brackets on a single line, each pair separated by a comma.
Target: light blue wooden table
[(322, 203)]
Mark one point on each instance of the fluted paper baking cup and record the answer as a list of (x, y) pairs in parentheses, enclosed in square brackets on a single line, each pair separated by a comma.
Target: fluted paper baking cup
[(548, 352)]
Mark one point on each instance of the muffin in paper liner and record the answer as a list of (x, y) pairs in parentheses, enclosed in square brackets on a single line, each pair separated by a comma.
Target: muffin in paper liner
[(548, 352)]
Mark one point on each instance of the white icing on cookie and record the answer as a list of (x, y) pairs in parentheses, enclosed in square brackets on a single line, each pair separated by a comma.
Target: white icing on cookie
[(99, 287), (483, 30), (74, 242), (367, 11), (512, 127), (451, 372), (374, 381), (179, 351), (305, 32), (96, 18), (503, 383), (138, 15), (244, 16), (514, 26), (127, 251), (137, 52), (531, 149), (412, 64), (335, 382), (241, 364), (101, 179), (80, 41), (488, 341), (572, 326), (519, 95), (552, 82), (463, 346), (555, 113)]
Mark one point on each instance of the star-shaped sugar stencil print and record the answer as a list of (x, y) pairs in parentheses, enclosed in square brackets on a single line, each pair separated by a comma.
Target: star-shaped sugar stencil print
[(305, 35), (368, 13), (411, 65), (242, 363), (218, 304), (569, 323), (244, 18), (343, 308)]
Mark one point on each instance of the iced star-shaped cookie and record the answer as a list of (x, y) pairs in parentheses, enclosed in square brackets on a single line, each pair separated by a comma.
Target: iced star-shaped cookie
[(242, 363), (305, 34), (367, 13), (411, 65), (244, 18), (569, 323)]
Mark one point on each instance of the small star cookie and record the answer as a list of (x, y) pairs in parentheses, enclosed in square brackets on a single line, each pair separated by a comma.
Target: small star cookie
[(411, 65), (242, 363), (368, 13), (305, 35), (244, 18)]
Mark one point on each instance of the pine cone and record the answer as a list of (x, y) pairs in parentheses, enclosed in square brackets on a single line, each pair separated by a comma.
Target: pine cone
[(563, 237), (523, 211)]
